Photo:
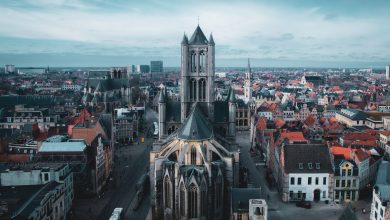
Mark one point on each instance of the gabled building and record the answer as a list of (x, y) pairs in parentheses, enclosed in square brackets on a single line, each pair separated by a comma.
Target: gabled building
[(306, 173)]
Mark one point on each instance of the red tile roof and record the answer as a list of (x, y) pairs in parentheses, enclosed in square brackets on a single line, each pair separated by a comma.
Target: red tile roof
[(346, 152), (293, 136)]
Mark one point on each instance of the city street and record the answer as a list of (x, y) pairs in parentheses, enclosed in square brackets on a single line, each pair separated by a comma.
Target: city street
[(280, 210), (131, 163)]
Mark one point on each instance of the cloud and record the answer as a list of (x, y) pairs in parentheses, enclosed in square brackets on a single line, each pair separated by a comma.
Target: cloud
[(151, 27)]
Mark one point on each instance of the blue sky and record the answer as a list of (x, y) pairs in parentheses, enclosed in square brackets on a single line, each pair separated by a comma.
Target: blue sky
[(332, 33)]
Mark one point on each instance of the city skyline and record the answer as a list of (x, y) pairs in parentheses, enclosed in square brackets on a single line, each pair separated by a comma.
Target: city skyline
[(273, 34)]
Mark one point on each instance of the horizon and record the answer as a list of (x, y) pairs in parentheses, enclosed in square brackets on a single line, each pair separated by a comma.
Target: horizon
[(280, 33)]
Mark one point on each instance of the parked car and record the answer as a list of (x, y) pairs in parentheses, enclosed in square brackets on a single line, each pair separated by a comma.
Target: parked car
[(304, 204)]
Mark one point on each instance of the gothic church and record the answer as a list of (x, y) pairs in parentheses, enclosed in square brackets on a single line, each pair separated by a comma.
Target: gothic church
[(195, 162)]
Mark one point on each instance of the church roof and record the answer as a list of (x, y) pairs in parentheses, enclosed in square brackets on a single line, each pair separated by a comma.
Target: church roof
[(232, 97), (161, 99), (185, 39), (195, 127), (211, 39), (198, 37)]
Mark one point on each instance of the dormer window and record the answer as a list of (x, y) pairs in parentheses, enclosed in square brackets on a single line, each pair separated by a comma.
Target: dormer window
[(310, 165), (300, 166), (317, 166)]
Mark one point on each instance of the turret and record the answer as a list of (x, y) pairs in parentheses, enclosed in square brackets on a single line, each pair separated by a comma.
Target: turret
[(161, 113), (232, 113)]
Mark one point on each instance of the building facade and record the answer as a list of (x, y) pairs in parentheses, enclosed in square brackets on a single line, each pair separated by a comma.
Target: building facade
[(193, 168)]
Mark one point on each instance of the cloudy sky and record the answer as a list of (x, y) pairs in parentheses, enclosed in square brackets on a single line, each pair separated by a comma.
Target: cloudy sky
[(322, 33)]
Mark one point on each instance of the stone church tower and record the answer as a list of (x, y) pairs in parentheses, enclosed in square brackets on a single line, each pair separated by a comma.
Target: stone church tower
[(197, 72), (194, 165)]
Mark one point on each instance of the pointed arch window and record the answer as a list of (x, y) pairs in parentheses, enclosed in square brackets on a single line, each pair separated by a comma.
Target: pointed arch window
[(193, 155), (203, 200), (193, 89), (202, 89), (218, 192), (167, 192), (202, 61), (182, 200), (193, 61), (193, 201)]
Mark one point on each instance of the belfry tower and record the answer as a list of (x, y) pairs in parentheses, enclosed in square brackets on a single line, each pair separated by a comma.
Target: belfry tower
[(248, 83), (197, 73)]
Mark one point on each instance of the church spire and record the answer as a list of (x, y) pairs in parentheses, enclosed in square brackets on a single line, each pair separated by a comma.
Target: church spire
[(185, 39), (248, 70), (211, 40)]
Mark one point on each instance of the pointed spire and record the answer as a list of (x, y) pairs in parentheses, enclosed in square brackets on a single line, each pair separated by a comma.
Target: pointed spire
[(185, 39), (211, 39), (232, 96), (249, 66), (198, 37), (161, 99)]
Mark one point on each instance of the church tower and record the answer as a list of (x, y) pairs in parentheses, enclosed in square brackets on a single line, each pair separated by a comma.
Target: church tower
[(248, 83), (197, 73)]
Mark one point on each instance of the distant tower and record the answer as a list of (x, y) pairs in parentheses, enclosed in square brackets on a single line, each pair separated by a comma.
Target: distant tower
[(161, 113), (197, 72), (388, 72), (248, 83), (232, 113)]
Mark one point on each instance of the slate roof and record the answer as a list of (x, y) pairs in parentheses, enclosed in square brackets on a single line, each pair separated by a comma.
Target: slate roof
[(221, 109), (241, 197), (105, 121), (353, 114), (198, 37), (173, 111), (294, 154), (29, 100), (382, 182), (104, 85), (195, 127)]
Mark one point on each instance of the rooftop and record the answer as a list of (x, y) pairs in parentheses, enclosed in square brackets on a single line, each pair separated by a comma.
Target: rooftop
[(70, 146)]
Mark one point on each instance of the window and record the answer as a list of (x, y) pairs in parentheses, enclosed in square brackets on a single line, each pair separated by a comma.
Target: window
[(310, 165), (317, 166), (348, 183), (337, 183), (349, 172), (342, 183), (46, 177), (167, 192), (337, 195), (193, 201), (309, 181), (193, 155), (218, 192), (324, 181), (299, 180), (292, 180), (291, 194), (239, 216), (317, 180), (182, 200), (323, 194), (381, 212), (300, 166), (203, 200)]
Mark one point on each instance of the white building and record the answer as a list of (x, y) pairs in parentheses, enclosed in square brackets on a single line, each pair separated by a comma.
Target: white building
[(388, 72), (40, 174), (73, 87), (307, 173), (380, 206)]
